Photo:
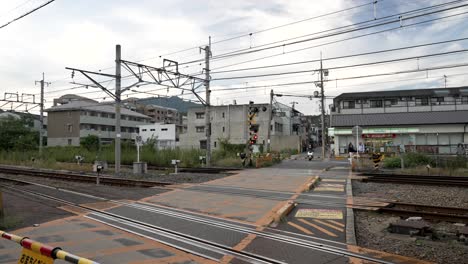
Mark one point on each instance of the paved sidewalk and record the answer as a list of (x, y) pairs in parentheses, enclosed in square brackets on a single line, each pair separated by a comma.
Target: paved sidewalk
[(233, 203)]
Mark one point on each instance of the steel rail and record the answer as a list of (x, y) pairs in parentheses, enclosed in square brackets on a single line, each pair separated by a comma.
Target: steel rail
[(276, 237), (79, 177), (428, 211), (188, 239)]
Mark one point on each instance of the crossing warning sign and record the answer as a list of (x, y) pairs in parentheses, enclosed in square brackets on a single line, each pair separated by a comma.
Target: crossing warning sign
[(319, 213), (31, 257)]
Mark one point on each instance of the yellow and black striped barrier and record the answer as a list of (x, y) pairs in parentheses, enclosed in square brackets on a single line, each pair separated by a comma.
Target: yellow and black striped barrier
[(38, 253), (377, 158)]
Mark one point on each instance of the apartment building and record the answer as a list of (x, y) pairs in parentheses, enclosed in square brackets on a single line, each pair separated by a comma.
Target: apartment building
[(230, 123), (422, 120), (73, 117)]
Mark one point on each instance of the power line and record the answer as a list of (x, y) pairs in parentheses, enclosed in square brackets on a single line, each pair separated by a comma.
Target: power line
[(345, 66), (341, 40), (269, 29), (342, 57), (346, 78), (400, 18), (27, 13)]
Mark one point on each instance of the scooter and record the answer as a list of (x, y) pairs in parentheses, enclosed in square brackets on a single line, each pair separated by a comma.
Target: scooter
[(310, 155)]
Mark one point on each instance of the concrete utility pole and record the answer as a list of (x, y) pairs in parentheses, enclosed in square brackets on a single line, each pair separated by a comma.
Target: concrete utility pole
[(207, 106), (118, 79), (322, 99), (41, 115), (270, 117)]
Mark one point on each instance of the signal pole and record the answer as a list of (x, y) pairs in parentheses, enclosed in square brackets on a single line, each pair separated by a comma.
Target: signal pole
[(41, 115), (207, 107), (118, 78), (322, 99), (270, 117)]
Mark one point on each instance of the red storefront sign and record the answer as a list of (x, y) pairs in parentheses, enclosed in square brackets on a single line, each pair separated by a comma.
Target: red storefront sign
[(378, 135)]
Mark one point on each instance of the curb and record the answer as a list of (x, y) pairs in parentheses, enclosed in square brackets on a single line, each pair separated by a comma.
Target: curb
[(350, 231), (311, 185), (282, 212)]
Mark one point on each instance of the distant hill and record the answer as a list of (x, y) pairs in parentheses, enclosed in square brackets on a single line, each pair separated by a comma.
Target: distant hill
[(172, 102)]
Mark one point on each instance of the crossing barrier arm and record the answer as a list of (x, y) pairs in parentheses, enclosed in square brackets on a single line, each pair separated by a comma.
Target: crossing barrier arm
[(49, 252)]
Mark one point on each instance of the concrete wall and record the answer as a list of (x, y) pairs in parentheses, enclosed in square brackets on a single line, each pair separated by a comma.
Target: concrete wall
[(279, 143), (57, 130)]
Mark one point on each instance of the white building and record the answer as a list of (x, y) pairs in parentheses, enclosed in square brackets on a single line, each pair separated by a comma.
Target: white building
[(163, 134)]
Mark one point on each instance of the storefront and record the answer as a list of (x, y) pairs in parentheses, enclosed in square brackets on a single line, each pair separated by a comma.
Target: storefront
[(427, 139)]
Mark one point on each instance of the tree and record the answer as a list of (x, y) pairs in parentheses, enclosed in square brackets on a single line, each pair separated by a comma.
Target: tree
[(90, 142), (16, 134)]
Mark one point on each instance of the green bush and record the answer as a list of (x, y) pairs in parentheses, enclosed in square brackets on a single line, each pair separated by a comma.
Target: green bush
[(90, 142), (392, 162), (416, 159)]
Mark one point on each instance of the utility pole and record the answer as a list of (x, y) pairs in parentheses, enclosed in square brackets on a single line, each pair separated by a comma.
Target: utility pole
[(270, 117), (207, 106), (118, 78), (322, 107), (41, 115)]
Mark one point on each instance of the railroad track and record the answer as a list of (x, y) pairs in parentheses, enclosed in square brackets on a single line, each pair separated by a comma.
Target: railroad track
[(78, 177), (187, 239), (417, 179), (214, 170), (450, 214)]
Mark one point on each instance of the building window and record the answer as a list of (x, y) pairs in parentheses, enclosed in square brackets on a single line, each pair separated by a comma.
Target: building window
[(223, 129), (437, 100), (390, 102), (92, 113), (105, 115), (223, 114), (464, 100), (202, 144), (375, 103), (69, 113), (70, 128), (200, 129), (83, 113), (348, 105), (163, 129), (215, 144), (69, 142), (152, 129), (200, 115), (422, 101)]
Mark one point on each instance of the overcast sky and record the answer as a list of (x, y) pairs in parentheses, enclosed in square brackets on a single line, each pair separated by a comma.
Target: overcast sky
[(83, 34)]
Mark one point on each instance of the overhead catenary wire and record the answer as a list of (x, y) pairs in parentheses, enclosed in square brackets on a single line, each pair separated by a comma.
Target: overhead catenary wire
[(343, 56), (293, 51), (269, 29), (345, 66), (348, 78), (27, 13), (340, 40), (395, 20)]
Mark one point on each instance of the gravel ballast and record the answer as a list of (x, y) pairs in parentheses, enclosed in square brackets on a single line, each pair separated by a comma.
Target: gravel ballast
[(442, 247), (421, 194)]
